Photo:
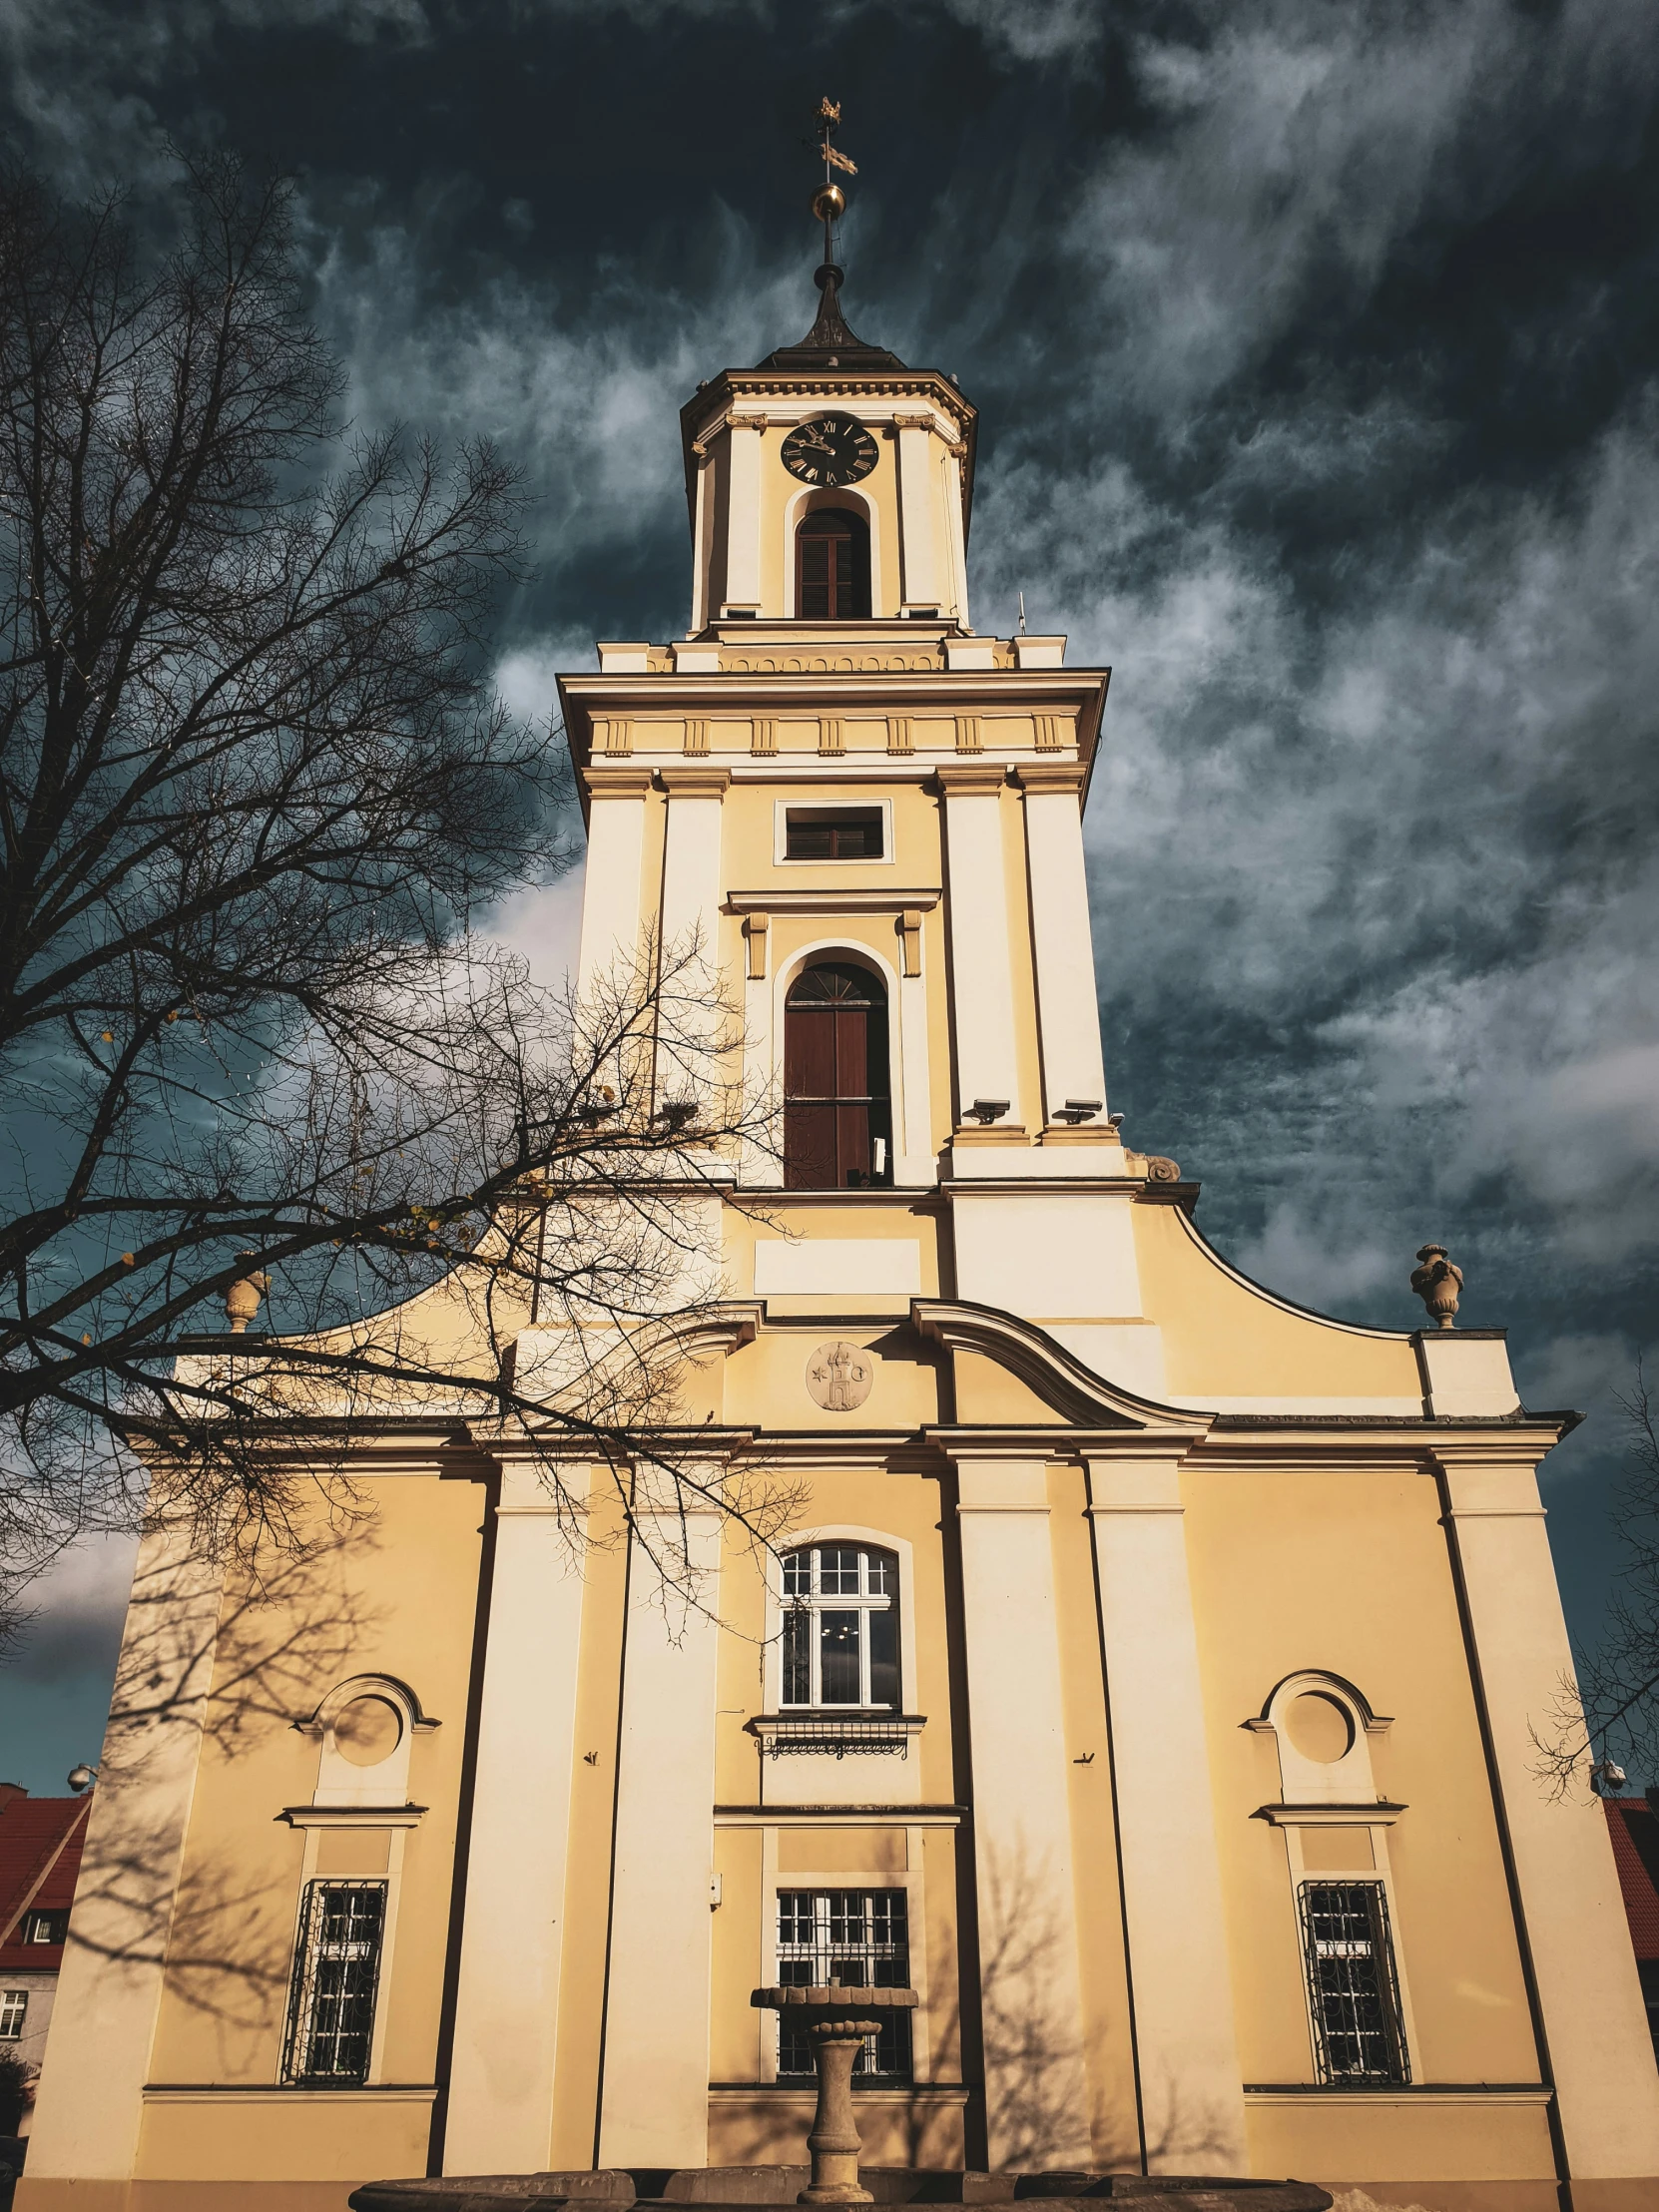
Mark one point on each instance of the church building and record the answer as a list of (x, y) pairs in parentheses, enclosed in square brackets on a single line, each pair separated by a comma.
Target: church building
[(1148, 1679)]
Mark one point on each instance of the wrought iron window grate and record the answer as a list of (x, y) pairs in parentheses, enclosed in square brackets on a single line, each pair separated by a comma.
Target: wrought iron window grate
[(848, 1940), (1351, 1986), (837, 1735), (337, 1974)]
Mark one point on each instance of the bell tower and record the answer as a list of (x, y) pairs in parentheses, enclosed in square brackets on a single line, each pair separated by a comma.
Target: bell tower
[(869, 816), (828, 428)]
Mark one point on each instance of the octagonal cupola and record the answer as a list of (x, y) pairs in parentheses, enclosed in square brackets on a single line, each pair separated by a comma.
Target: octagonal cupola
[(829, 485)]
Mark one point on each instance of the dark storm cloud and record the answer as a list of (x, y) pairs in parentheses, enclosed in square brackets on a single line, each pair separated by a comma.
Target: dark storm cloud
[(1318, 352)]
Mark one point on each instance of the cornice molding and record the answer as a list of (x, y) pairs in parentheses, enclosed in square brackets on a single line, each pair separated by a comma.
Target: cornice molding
[(1081, 1398), (835, 899)]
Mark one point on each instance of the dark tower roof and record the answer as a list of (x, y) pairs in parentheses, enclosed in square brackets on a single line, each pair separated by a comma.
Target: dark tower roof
[(830, 344)]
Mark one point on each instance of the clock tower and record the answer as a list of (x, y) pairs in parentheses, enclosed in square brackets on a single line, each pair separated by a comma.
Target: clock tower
[(831, 426)]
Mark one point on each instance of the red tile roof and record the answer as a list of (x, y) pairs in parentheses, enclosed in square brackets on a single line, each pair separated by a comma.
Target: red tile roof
[(40, 1856), (1635, 1833)]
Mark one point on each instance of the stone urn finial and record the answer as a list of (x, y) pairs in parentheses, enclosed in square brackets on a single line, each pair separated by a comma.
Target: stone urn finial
[(241, 1299), (835, 2022), (1437, 1281)]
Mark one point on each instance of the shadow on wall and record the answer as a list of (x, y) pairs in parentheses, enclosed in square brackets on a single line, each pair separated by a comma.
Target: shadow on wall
[(1032, 2067), (1032, 2057), (226, 1663)]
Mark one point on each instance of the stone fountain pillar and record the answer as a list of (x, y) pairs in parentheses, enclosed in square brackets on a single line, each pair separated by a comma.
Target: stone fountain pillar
[(835, 2022)]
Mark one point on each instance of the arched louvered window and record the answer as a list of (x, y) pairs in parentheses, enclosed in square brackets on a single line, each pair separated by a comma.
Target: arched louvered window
[(837, 1111), (832, 566)]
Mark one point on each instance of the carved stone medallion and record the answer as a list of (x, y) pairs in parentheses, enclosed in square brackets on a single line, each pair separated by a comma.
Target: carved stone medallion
[(840, 1377)]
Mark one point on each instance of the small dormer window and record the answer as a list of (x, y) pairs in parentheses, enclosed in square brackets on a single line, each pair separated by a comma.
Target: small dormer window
[(833, 833), (832, 566)]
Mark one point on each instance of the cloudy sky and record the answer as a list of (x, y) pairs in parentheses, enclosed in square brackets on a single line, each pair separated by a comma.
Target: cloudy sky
[(1316, 348)]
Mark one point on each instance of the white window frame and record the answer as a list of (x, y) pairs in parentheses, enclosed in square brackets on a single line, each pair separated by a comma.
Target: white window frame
[(778, 1603), (817, 1601), (14, 2012), (1339, 1793)]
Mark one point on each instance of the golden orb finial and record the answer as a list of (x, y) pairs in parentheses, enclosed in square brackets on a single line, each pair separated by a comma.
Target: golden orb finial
[(829, 202)]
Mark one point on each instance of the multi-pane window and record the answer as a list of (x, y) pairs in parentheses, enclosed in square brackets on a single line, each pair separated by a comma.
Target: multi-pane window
[(840, 1627), (14, 2010), (833, 833), (848, 1940), (337, 1971), (45, 1927), (1350, 1983)]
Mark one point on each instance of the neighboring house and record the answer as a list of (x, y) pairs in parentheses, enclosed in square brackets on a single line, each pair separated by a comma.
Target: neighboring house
[(1635, 1832), (40, 1856)]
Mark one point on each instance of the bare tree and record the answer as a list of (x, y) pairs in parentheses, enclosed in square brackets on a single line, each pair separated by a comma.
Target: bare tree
[(256, 793), (1609, 1720)]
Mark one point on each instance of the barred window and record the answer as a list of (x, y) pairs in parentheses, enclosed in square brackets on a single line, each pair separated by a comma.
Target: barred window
[(850, 1940), (840, 1626), (336, 1973), (14, 2010), (1350, 1983)]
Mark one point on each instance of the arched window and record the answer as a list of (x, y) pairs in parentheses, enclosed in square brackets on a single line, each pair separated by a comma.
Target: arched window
[(832, 566), (840, 1626), (837, 1109)]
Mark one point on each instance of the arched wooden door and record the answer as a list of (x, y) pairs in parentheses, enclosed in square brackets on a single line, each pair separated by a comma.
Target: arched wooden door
[(837, 1111)]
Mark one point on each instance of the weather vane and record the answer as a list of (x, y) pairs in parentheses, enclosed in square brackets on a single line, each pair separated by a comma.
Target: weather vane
[(830, 201)]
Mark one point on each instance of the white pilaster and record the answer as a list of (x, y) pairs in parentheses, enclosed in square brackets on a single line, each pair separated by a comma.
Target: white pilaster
[(1067, 1010), (98, 2053), (1036, 2092), (702, 542), (692, 1016), (613, 885), (956, 527), (981, 966), (743, 512), (512, 1937), (655, 2097), (918, 1162), (691, 858), (1600, 2052), (916, 514), (1186, 2045)]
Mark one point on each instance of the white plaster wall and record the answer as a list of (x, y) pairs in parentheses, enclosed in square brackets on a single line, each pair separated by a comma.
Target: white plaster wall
[(1068, 1010), (1035, 2089), (1129, 1353), (1047, 1256), (655, 2096), (981, 974), (612, 884), (1600, 2051), (742, 528), (834, 1264), (916, 506), (512, 1937), (918, 1164), (1186, 2045), (1466, 1374), (90, 2101)]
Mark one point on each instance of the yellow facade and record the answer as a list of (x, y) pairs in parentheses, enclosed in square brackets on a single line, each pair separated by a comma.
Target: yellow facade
[(1212, 1613)]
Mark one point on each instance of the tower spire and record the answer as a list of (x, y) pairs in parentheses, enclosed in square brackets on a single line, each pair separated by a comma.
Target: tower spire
[(830, 344)]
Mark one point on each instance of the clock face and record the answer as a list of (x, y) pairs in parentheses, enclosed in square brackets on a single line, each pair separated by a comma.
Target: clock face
[(831, 449)]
